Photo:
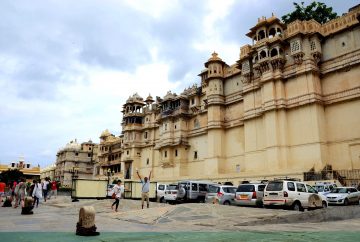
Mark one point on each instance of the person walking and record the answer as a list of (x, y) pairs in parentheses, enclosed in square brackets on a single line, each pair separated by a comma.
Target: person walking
[(45, 188), (144, 189), (118, 190), (53, 186), (37, 192), (22, 191), (16, 194), (2, 190)]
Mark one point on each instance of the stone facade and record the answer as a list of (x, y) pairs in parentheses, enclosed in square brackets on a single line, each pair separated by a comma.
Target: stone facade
[(48, 171), (291, 103), (109, 157), (75, 160)]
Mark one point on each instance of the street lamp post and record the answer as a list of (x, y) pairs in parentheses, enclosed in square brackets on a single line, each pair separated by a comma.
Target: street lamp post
[(109, 173), (74, 171)]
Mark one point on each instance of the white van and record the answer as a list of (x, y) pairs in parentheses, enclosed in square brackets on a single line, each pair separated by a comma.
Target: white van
[(160, 192), (193, 191), (294, 194)]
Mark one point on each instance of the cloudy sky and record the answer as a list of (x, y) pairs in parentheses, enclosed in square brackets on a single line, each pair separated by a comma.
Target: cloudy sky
[(67, 67)]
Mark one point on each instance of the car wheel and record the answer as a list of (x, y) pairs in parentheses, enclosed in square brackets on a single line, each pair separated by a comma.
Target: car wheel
[(346, 202), (324, 204), (226, 203), (162, 200), (297, 206)]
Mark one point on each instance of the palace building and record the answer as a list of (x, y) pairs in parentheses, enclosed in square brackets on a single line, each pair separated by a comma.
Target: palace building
[(289, 105), (75, 160)]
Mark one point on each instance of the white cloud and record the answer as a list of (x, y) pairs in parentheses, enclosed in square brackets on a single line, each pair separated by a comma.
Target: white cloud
[(154, 8)]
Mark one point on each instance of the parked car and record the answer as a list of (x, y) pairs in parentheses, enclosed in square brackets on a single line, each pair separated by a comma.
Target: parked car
[(249, 194), (343, 195), (171, 193), (222, 194), (324, 188), (110, 190), (160, 192), (293, 194), (192, 191)]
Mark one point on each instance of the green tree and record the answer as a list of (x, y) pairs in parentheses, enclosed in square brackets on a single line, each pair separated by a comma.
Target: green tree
[(316, 10), (11, 175)]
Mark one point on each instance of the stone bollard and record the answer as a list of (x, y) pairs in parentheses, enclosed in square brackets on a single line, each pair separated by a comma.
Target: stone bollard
[(86, 225), (28, 206), (7, 202)]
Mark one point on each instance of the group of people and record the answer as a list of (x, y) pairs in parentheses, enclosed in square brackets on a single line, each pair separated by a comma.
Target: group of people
[(18, 190), (118, 190)]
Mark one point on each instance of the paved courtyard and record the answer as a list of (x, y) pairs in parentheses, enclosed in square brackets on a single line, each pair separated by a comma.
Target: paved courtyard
[(204, 221)]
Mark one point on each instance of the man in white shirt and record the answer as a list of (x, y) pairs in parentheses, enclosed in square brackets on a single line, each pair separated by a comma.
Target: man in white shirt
[(45, 188), (144, 189)]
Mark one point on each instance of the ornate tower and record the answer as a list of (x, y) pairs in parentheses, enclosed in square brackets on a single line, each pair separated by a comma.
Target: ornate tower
[(215, 110), (133, 120)]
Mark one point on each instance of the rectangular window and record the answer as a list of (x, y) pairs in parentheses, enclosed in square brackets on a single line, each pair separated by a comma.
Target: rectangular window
[(176, 153), (195, 155), (127, 152), (76, 154), (300, 187), (147, 161), (291, 186), (165, 153), (89, 155), (145, 135)]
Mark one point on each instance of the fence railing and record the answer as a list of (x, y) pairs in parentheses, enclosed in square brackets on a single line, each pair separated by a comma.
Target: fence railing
[(345, 177)]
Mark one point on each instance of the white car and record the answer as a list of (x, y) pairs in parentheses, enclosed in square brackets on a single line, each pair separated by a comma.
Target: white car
[(324, 188), (343, 196), (171, 193), (294, 194)]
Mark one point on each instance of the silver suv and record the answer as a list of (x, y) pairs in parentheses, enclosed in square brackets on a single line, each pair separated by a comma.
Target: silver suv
[(250, 194), (222, 194)]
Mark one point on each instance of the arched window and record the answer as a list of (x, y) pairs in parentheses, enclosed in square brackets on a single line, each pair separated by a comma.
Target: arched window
[(273, 52), (263, 54), (272, 32), (261, 35)]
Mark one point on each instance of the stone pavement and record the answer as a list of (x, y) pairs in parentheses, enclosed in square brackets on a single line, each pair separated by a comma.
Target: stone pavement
[(61, 215)]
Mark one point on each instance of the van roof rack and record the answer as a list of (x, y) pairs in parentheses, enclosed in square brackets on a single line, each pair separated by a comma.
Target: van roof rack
[(286, 178)]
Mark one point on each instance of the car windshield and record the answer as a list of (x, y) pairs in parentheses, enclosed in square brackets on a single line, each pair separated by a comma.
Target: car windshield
[(339, 190), (231, 189), (274, 186), (172, 187), (319, 188), (213, 189), (246, 188)]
